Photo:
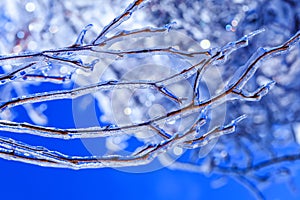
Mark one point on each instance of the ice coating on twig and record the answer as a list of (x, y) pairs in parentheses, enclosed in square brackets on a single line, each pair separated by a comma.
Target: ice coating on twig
[(161, 116)]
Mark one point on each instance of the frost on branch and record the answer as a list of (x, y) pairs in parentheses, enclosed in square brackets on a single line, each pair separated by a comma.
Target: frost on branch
[(147, 94)]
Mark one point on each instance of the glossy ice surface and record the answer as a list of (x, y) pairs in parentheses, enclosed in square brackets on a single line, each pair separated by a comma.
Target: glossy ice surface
[(192, 95)]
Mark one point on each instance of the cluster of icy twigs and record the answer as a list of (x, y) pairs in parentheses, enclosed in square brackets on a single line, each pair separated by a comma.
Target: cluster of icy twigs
[(25, 63)]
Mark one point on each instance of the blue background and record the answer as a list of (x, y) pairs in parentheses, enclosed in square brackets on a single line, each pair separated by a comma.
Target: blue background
[(24, 181)]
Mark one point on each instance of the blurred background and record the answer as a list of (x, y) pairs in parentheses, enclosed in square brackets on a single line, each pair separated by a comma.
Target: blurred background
[(271, 129)]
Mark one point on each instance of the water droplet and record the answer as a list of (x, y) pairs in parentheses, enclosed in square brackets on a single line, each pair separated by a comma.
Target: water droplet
[(205, 44), (127, 111), (177, 151), (234, 22), (20, 34), (228, 27), (30, 7)]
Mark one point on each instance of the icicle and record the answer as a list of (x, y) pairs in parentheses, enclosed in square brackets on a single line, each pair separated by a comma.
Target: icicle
[(79, 41), (233, 46), (169, 94), (233, 122), (244, 73), (169, 26), (258, 94), (214, 133), (118, 20)]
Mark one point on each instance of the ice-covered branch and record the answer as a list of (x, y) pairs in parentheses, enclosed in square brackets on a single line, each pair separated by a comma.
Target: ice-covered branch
[(240, 81), (167, 92)]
